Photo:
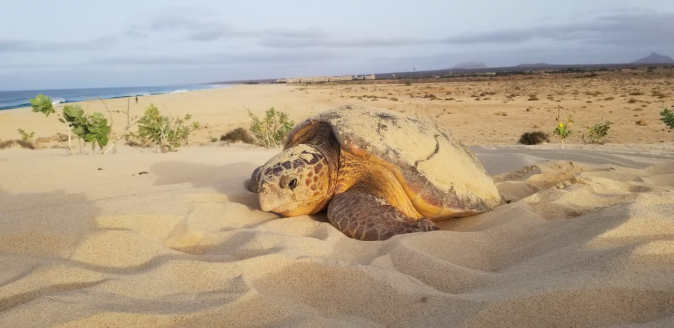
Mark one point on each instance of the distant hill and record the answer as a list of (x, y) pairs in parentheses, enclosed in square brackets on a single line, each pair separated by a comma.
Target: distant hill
[(469, 65), (654, 58), (534, 65)]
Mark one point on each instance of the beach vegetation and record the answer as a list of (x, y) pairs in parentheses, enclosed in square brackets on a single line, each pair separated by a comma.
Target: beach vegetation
[(91, 128), (26, 136), (563, 129), (668, 118), (597, 133), (272, 130), (166, 132), (16, 143), (238, 135), (534, 138)]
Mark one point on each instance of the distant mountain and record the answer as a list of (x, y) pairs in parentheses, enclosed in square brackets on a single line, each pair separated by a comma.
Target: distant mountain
[(534, 65), (654, 58), (469, 65)]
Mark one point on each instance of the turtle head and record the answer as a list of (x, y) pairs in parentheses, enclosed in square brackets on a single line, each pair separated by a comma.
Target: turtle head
[(295, 182)]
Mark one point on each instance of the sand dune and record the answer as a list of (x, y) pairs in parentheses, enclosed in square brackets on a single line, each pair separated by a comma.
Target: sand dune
[(586, 240)]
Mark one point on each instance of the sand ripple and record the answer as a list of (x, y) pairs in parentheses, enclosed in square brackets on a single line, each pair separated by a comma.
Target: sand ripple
[(580, 243)]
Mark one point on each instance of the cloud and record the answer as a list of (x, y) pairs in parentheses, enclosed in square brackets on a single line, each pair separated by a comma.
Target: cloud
[(200, 27), (222, 59), (627, 29), (329, 41), (46, 46), (624, 27)]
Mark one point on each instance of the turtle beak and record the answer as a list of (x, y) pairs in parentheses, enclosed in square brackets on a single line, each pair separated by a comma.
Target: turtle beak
[(263, 188), (269, 198)]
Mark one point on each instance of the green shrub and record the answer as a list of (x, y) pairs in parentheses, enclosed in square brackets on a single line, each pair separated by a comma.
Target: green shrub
[(90, 127), (597, 133), (273, 129), (25, 136), (668, 118), (42, 104), (562, 130), (168, 133)]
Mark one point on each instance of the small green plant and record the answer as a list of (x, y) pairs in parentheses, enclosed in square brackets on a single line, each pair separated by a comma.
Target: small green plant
[(408, 83), (168, 133), (533, 98), (90, 127), (273, 129), (42, 104), (25, 136), (597, 133), (562, 130), (668, 118)]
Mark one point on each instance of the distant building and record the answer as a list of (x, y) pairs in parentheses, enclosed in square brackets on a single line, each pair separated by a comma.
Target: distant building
[(366, 77), (324, 79)]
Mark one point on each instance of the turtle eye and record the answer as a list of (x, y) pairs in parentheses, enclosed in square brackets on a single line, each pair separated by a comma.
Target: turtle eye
[(293, 183)]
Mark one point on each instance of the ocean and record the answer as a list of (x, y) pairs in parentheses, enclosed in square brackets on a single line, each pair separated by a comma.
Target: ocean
[(17, 99)]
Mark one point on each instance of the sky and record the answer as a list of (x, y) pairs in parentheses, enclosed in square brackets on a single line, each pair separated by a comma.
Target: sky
[(82, 44)]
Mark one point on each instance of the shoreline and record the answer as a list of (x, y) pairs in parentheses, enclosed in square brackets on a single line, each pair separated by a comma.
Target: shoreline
[(58, 99), (476, 112)]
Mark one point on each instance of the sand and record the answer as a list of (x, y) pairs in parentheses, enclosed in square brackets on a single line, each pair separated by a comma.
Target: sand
[(145, 239), (491, 112)]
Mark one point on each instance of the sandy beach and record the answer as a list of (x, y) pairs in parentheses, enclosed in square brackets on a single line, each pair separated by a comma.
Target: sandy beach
[(138, 238)]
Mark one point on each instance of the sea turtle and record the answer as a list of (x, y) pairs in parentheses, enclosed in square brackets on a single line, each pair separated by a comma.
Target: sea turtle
[(378, 172)]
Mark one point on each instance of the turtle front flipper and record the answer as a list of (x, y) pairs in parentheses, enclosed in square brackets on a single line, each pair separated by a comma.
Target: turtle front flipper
[(363, 216)]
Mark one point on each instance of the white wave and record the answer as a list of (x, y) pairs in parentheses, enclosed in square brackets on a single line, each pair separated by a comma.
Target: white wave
[(56, 101), (180, 91)]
